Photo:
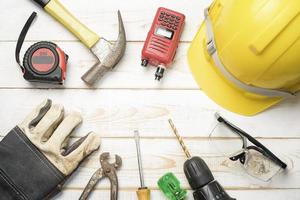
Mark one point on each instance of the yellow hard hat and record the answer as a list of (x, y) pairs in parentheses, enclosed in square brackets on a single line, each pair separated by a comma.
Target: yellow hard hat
[(246, 55)]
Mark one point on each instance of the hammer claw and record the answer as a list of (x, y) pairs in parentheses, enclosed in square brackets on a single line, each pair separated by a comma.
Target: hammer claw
[(111, 58)]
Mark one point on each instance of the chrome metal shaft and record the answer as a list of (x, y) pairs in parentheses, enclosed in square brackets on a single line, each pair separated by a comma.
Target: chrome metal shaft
[(138, 151)]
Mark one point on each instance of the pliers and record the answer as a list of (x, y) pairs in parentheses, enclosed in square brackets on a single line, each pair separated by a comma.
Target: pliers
[(107, 170)]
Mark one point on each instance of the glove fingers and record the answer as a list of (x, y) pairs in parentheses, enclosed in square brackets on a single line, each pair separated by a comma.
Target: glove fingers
[(59, 137), (36, 115), (64, 145), (49, 122), (82, 148)]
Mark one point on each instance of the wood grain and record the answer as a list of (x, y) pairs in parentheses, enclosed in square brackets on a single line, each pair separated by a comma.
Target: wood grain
[(99, 16), (155, 194), (116, 113), (159, 158), (127, 74), (128, 98)]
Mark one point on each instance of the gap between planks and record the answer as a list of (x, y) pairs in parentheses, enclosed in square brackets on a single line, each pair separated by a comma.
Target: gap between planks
[(78, 88), (78, 41), (187, 138), (133, 189)]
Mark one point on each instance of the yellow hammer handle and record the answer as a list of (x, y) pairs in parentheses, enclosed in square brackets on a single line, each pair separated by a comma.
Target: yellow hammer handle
[(143, 194), (61, 14)]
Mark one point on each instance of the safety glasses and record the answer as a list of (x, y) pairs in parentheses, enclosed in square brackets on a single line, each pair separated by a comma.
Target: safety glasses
[(256, 159)]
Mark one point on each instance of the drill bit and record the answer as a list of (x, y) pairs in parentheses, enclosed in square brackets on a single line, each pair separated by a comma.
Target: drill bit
[(179, 138), (199, 175), (138, 151)]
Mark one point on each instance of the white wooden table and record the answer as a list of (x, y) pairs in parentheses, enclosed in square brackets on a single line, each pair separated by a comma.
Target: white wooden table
[(128, 98)]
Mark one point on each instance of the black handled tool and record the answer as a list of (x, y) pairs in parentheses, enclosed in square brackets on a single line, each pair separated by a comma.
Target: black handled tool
[(199, 176)]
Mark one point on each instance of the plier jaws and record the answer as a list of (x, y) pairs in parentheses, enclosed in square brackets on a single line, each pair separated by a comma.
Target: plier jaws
[(108, 170)]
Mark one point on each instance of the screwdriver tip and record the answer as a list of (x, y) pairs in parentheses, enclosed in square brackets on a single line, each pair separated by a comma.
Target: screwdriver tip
[(136, 134)]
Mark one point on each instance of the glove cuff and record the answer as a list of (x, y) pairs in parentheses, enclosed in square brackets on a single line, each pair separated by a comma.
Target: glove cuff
[(25, 173)]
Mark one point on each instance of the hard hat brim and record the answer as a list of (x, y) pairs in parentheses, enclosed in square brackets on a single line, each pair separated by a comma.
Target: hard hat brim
[(217, 87)]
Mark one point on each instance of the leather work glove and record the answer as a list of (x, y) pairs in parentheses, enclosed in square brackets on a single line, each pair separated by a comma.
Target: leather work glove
[(35, 156)]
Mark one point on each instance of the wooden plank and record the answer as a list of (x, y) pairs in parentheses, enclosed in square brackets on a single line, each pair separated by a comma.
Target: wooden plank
[(128, 98), (165, 155), (100, 17), (116, 113), (128, 74), (157, 195)]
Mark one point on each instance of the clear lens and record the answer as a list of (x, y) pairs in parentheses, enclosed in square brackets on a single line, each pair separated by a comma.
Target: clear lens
[(227, 142), (260, 166)]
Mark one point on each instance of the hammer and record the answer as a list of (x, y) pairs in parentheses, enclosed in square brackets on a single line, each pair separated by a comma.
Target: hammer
[(107, 59)]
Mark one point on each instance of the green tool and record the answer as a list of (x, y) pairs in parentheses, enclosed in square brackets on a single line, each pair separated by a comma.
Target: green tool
[(170, 186)]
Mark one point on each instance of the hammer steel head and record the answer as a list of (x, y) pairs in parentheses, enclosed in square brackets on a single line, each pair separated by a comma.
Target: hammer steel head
[(108, 55)]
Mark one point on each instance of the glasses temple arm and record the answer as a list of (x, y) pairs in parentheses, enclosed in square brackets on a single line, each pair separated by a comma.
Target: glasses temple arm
[(253, 140)]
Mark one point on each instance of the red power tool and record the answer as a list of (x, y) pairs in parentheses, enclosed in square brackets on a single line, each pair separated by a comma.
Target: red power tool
[(162, 40)]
